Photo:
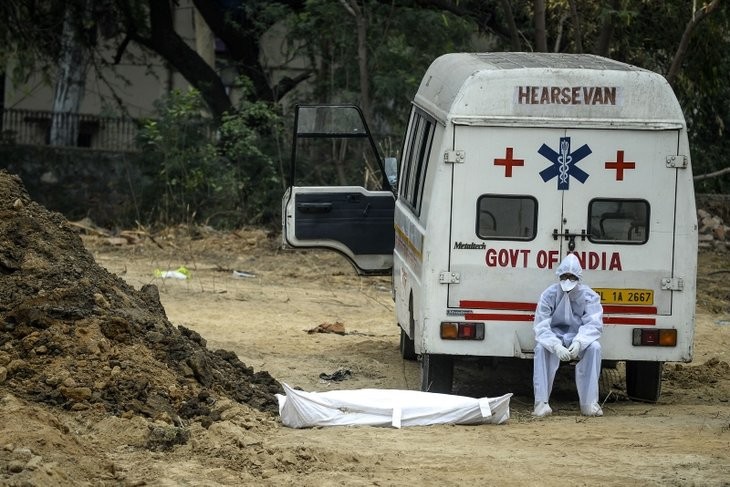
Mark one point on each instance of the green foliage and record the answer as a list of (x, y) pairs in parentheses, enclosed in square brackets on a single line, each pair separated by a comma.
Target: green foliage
[(222, 177), (402, 42), (703, 92), (402, 46), (248, 138)]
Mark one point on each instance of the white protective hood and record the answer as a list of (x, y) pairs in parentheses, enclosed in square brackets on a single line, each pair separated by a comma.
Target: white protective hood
[(387, 407)]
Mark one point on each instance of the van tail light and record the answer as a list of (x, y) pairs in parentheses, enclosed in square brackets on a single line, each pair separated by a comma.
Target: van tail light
[(462, 331), (652, 337)]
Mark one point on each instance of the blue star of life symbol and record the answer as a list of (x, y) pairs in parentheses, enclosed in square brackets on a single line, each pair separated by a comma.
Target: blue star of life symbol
[(564, 163)]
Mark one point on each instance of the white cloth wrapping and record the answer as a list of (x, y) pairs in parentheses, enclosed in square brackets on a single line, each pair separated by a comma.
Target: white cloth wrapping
[(387, 407)]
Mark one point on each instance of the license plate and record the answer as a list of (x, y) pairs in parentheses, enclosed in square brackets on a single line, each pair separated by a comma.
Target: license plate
[(625, 296)]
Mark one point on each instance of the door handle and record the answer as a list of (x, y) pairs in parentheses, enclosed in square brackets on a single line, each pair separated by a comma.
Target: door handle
[(570, 237), (314, 207)]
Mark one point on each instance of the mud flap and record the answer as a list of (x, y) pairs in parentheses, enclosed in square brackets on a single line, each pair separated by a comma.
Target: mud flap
[(437, 373)]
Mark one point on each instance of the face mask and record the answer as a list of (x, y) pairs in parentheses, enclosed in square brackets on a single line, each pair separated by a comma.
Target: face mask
[(566, 284)]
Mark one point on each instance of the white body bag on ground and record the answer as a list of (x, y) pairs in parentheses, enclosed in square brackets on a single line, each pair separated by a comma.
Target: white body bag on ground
[(387, 407)]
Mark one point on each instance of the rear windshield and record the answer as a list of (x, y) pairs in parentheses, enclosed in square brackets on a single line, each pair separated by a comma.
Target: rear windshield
[(501, 217), (618, 221)]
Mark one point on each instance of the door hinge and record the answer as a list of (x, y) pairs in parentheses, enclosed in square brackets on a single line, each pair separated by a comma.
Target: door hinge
[(449, 278), (672, 283), (451, 156), (677, 161)]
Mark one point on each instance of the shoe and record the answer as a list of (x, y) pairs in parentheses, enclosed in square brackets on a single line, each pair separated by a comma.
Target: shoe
[(592, 409), (542, 409)]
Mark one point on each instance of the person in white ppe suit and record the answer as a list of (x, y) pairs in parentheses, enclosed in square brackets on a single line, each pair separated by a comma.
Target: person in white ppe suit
[(568, 324)]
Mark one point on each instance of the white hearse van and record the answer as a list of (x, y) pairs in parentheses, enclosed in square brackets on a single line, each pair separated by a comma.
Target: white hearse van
[(510, 161)]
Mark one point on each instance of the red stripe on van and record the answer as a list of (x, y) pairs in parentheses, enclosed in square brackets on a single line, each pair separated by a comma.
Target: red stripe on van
[(629, 310), (518, 306), (628, 320), (607, 320), (498, 317), (515, 306)]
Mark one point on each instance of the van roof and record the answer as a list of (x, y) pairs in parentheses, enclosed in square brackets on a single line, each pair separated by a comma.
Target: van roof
[(514, 88)]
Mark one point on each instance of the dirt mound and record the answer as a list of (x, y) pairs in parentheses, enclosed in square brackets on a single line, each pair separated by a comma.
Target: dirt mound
[(75, 336), (694, 377)]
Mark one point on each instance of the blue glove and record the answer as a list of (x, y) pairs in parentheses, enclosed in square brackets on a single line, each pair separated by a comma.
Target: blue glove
[(562, 353), (574, 350)]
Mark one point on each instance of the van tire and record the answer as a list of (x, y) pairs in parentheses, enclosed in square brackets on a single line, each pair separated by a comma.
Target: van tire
[(437, 373), (611, 385), (407, 346), (643, 380)]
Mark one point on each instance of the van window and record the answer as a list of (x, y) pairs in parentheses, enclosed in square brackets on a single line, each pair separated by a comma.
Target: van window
[(333, 148), (618, 221), (416, 151), (506, 217)]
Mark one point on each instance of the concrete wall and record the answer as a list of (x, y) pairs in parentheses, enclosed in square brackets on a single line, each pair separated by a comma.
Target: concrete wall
[(110, 188)]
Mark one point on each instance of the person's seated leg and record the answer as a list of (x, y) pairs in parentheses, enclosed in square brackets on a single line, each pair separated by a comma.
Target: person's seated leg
[(587, 375), (545, 365)]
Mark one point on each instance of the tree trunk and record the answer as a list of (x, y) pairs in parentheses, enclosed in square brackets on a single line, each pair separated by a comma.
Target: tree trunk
[(167, 43), (514, 36), (559, 34), (678, 59), (577, 31), (242, 43), (70, 84), (362, 56), (607, 27), (540, 32)]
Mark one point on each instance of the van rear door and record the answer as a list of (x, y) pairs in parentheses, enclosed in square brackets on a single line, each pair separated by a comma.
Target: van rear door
[(338, 196), (525, 197), (625, 202)]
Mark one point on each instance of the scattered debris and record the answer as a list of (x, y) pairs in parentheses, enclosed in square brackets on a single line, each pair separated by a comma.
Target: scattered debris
[(117, 241), (336, 327), (336, 376), (243, 274), (181, 273)]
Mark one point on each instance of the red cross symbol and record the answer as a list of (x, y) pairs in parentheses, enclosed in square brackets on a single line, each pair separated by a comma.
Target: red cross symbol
[(508, 162), (619, 165)]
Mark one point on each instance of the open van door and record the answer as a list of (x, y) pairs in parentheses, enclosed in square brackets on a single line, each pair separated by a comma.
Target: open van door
[(339, 196)]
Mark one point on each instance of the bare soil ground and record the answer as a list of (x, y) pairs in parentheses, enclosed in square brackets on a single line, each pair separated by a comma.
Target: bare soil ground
[(104, 383)]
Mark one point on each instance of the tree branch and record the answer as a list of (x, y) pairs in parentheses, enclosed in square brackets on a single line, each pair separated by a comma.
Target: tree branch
[(167, 43), (120, 50), (712, 174)]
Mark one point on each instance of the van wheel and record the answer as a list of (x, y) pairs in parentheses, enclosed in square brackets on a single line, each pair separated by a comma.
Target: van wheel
[(437, 373), (407, 346), (643, 380), (611, 385)]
